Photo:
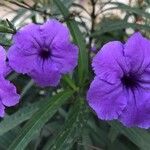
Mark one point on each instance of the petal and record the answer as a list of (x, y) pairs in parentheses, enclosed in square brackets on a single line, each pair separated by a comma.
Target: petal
[(2, 110), (144, 79), (8, 94), (2, 60), (54, 31), (25, 48), (8, 70), (45, 74), (26, 40), (65, 56), (109, 63), (137, 112), (137, 53), (107, 100), (21, 61)]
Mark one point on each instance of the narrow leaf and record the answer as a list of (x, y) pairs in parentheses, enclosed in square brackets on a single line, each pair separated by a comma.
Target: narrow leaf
[(23, 114), (72, 128), (139, 137), (130, 9), (79, 40), (39, 119), (5, 29), (117, 25)]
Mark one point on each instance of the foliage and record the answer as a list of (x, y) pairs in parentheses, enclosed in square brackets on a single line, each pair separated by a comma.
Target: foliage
[(59, 118)]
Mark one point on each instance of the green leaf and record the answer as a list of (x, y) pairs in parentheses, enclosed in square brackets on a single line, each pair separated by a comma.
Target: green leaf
[(6, 27), (72, 129), (26, 88), (139, 137), (7, 139), (98, 133), (117, 25), (4, 40), (86, 139), (79, 40), (130, 9), (70, 82), (20, 12), (23, 114), (37, 121), (119, 145), (113, 134), (11, 26)]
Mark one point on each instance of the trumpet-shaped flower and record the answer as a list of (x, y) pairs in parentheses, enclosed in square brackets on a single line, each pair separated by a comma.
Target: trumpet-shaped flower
[(121, 88), (44, 52)]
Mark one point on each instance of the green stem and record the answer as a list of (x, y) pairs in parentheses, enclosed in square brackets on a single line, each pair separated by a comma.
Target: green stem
[(70, 83)]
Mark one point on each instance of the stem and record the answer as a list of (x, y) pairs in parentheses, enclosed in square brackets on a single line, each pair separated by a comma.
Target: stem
[(29, 8), (90, 146), (27, 87), (93, 16), (80, 6), (70, 83)]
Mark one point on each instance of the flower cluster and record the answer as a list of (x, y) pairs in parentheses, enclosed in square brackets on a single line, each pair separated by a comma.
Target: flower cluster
[(121, 88), (44, 52)]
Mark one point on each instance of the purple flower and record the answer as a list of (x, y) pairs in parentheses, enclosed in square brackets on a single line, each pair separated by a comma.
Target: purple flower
[(44, 52), (121, 88), (8, 95)]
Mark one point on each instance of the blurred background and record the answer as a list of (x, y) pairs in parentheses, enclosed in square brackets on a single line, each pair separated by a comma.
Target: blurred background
[(105, 10)]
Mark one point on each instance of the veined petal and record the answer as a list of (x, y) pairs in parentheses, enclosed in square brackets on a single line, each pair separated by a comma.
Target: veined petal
[(28, 38), (54, 31), (21, 61), (137, 111), (106, 99), (109, 63), (46, 73), (136, 51), (65, 56)]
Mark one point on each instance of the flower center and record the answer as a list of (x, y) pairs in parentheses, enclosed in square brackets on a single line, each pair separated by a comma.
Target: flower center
[(129, 81), (44, 53)]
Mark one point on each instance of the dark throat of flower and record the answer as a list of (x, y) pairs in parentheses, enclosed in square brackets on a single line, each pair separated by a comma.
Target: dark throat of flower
[(129, 81), (44, 53)]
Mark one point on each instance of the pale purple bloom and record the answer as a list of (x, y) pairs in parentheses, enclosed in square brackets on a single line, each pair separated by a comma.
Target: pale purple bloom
[(93, 49), (8, 95), (121, 88), (44, 52)]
